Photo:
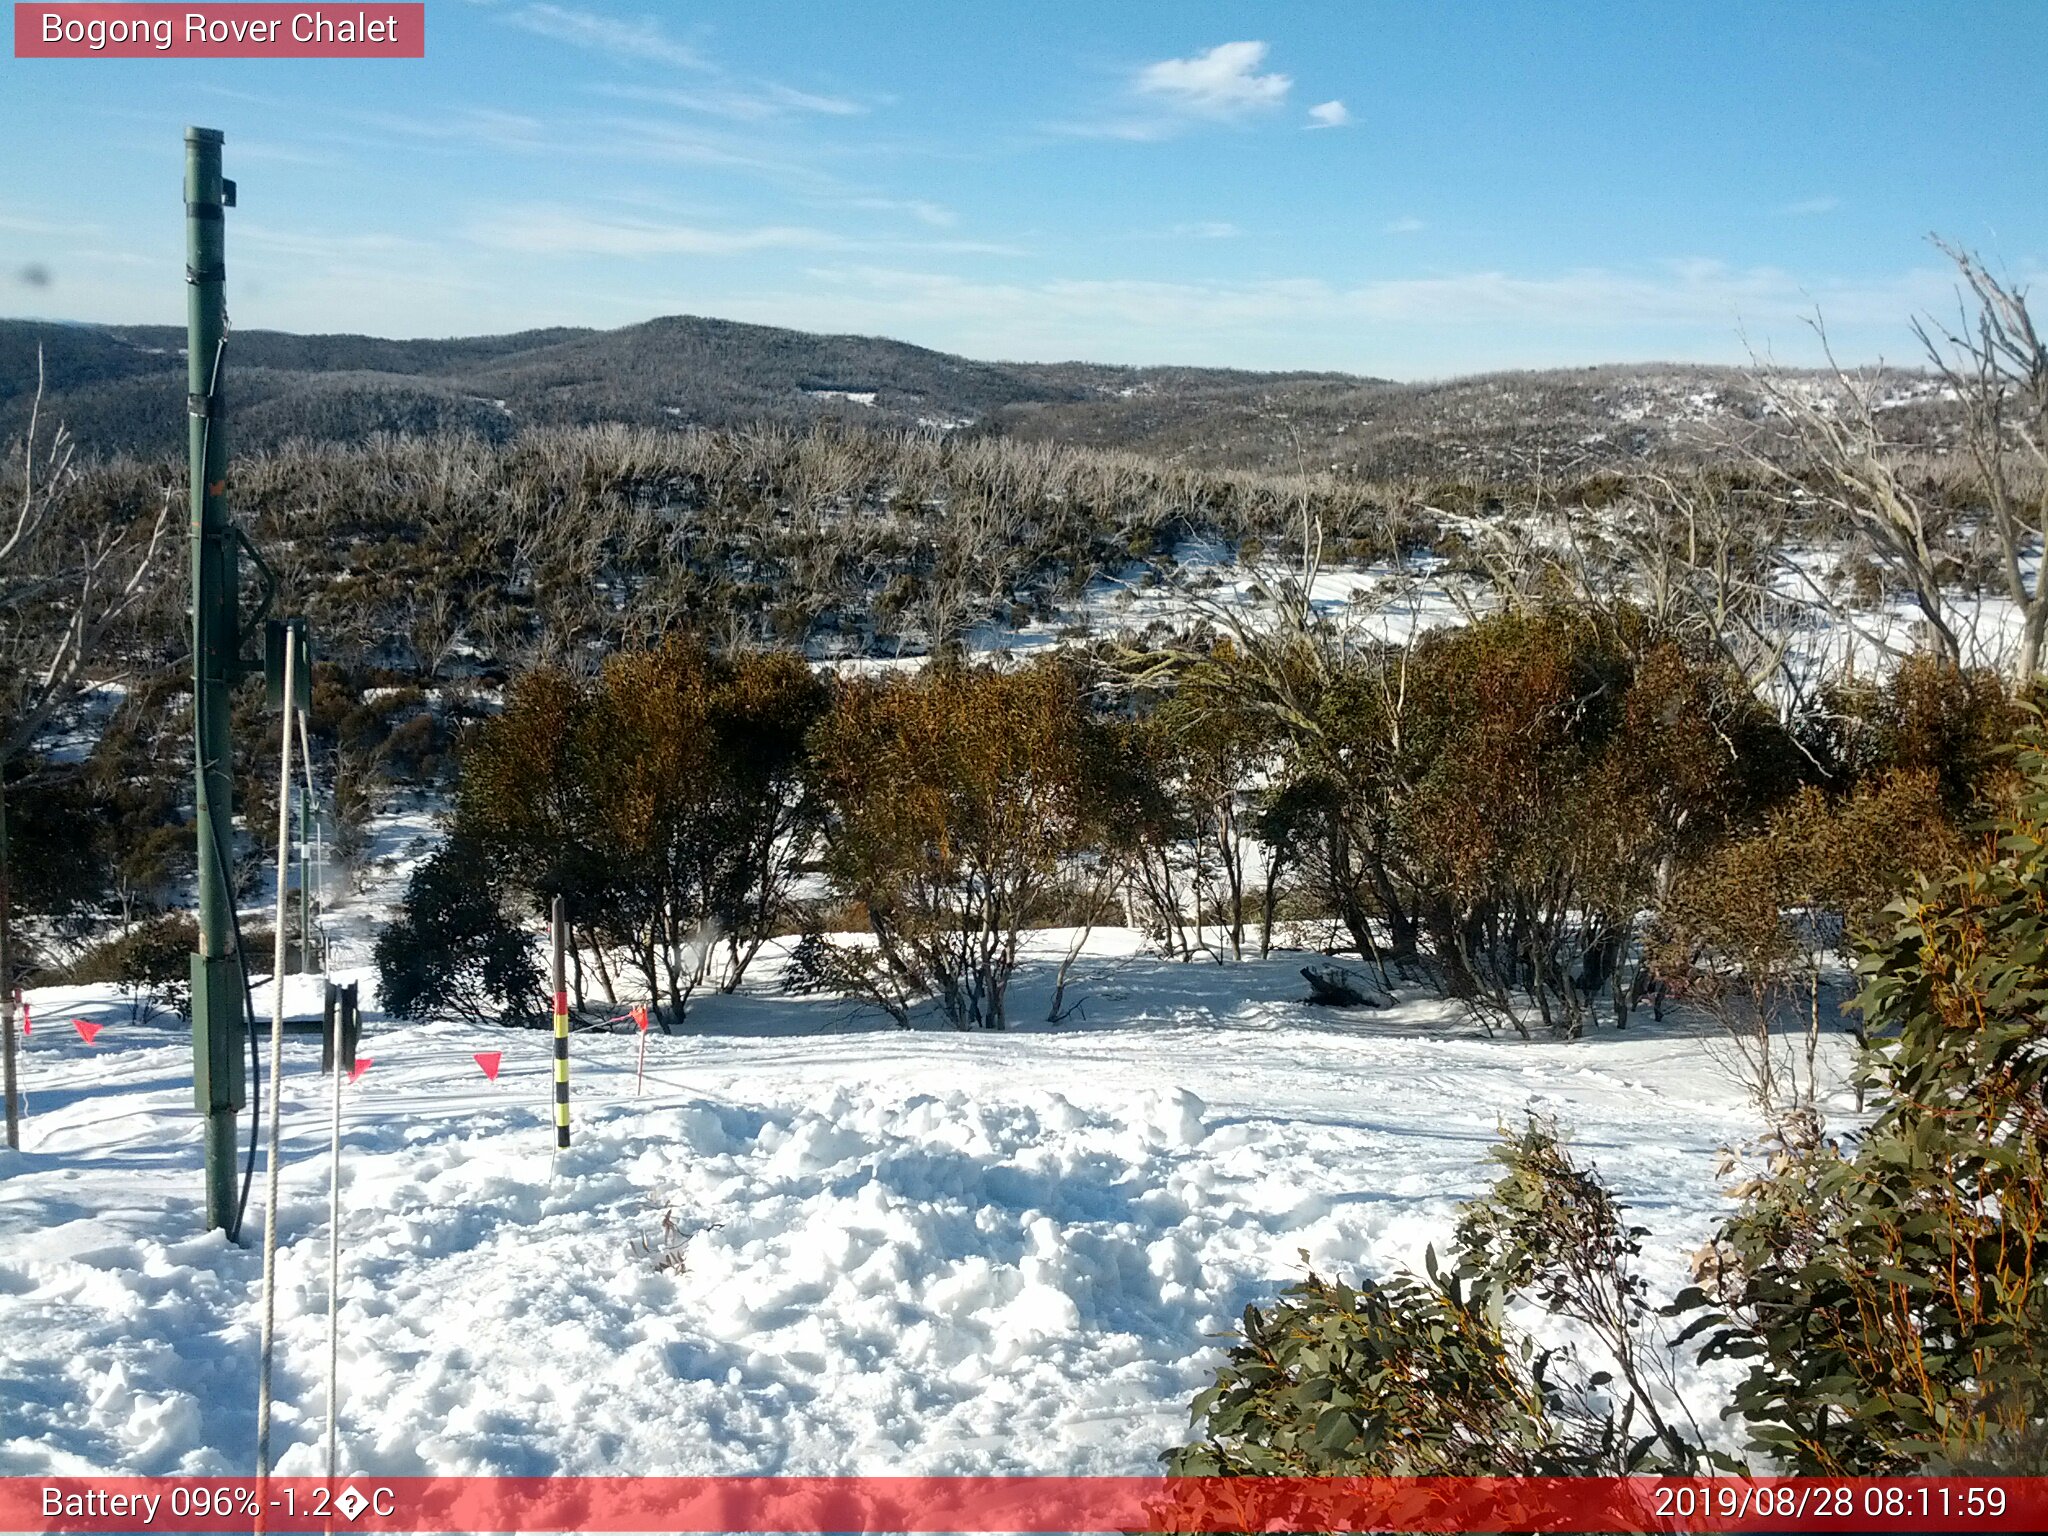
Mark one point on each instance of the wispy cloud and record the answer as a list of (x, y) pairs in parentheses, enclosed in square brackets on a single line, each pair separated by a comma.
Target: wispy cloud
[(1329, 114), (603, 137), (551, 231), (1207, 229), (743, 104), (1407, 224), (1806, 207), (557, 230), (474, 127), (283, 154), (642, 39), (19, 226), (1710, 298), (937, 215), (1223, 82)]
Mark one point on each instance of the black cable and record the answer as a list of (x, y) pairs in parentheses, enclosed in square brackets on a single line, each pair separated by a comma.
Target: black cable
[(249, 1010), (227, 881)]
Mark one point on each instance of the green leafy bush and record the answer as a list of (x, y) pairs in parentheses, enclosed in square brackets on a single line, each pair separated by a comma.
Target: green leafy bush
[(1396, 1378), (1550, 1227), (1426, 1376), (454, 950), (151, 962)]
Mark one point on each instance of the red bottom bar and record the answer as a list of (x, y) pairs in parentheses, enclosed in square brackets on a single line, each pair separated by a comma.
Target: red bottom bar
[(1024, 1504)]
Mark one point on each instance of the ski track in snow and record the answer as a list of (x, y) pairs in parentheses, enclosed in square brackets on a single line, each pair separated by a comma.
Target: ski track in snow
[(918, 1252)]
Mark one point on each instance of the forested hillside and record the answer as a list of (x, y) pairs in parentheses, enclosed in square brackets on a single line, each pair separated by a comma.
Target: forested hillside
[(120, 389)]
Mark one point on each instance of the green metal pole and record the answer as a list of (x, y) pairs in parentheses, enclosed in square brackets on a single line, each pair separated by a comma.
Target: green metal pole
[(219, 1082)]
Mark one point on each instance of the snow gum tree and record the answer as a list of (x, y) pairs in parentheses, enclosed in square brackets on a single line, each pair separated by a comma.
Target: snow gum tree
[(958, 803), (667, 800), (1529, 792), (1199, 762)]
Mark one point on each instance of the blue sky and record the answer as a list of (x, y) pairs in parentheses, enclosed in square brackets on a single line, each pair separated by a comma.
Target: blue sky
[(1411, 190)]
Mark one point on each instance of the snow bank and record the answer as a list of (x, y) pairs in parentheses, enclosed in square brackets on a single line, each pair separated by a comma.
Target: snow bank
[(898, 1252)]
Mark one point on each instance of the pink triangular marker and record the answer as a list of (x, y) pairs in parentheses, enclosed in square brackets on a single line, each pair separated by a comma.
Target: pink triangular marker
[(86, 1030), (363, 1064), (489, 1060)]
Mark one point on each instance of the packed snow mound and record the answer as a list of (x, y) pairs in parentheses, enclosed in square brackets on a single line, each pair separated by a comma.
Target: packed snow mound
[(864, 1251)]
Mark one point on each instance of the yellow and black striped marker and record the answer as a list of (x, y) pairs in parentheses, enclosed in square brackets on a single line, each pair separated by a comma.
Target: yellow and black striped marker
[(561, 1069)]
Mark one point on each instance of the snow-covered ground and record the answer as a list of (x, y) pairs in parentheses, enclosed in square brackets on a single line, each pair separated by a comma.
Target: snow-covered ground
[(900, 1251)]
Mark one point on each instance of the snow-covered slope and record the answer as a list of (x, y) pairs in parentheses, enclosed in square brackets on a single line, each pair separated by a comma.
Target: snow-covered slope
[(900, 1252)]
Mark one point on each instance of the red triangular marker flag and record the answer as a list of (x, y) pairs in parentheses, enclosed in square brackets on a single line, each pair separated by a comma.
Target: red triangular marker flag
[(640, 1018), (86, 1030), (363, 1064), (489, 1060)]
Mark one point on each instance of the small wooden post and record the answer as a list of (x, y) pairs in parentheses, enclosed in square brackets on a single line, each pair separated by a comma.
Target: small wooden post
[(561, 942)]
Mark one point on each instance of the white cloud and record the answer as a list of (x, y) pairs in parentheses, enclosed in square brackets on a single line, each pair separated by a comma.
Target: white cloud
[(1811, 205), (1408, 224), (1136, 130), (1329, 114), (643, 39), (1208, 229), (1223, 82)]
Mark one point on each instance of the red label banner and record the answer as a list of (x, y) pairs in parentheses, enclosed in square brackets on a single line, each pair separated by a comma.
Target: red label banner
[(1022, 1504), (220, 31)]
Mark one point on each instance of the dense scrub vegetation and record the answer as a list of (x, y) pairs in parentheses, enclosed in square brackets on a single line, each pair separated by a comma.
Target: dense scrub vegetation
[(1643, 766), (1550, 815), (1884, 1286)]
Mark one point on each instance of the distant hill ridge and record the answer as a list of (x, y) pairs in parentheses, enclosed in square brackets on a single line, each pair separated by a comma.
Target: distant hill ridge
[(121, 389)]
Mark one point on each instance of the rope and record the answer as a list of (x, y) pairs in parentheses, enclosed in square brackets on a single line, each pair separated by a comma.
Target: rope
[(284, 812)]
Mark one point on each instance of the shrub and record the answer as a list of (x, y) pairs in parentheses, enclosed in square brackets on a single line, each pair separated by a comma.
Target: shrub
[(453, 949), (1513, 794), (1929, 716), (1751, 932), (955, 802), (57, 858), (1889, 1292), (668, 801), (1414, 1377), (1398, 1379), (1550, 1226), (151, 962)]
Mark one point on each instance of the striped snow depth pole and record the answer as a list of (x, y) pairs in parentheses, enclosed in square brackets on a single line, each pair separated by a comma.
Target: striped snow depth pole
[(561, 916)]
